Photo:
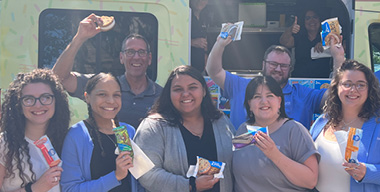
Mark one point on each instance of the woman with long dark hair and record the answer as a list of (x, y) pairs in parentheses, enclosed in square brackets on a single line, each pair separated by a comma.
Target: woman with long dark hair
[(89, 158), (35, 105), (183, 124)]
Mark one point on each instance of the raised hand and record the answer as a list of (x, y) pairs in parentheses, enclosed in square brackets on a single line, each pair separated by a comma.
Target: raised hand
[(295, 27), (88, 27)]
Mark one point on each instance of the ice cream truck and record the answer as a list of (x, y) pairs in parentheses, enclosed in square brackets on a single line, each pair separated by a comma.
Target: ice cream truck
[(34, 33)]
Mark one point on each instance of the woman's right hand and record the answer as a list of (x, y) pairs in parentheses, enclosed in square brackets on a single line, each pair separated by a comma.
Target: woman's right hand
[(295, 27), (123, 163), (48, 180), (205, 182)]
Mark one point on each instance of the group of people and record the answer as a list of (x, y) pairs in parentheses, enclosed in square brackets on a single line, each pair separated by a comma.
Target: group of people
[(175, 124)]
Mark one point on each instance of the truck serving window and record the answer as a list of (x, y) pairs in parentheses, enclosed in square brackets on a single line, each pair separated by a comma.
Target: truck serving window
[(374, 43), (57, 27)]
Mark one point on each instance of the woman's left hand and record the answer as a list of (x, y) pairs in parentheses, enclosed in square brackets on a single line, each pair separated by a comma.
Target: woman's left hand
[(357, 171), (318, 48), (266, 144)]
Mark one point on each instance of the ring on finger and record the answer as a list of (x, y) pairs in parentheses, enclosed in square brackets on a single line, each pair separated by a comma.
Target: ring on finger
[(355, 175), (55, 179)]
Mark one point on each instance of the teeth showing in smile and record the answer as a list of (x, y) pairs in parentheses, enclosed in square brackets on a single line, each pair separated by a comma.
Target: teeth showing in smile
[(264, 108), (352, 97), (136, 64), (109, 109), (187, 101), (39, 112)]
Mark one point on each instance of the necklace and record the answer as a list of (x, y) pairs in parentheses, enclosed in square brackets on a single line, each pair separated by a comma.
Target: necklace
[(346, 125), (111, 139)]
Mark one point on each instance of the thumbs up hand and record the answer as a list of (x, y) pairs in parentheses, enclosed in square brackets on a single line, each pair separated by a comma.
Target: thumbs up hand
[(295, 27)]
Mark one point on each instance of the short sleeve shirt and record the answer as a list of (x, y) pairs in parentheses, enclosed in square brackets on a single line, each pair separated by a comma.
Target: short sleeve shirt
[(39, 166), (134, 107), (254, 171), (300, 102)]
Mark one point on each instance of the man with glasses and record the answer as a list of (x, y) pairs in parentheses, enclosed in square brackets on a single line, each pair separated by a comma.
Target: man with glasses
[(138, 91), (300, 102)]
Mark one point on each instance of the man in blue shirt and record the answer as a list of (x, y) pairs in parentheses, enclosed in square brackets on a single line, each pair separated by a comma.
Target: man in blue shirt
[(300, 102)]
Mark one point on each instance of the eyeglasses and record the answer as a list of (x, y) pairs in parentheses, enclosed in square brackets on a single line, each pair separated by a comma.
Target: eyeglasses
[(360, 86), (311, 17), (274, 65), (30, 101), (132, 52)]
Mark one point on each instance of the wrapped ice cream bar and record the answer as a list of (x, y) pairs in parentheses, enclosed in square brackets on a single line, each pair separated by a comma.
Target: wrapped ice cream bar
[(48, 151), (207, 167), (233, 30), (123, 140), (349, 143), (246, 139), (330, 27)]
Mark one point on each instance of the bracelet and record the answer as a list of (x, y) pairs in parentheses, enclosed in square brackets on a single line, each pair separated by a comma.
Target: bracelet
[(192, 184), (28, 187)]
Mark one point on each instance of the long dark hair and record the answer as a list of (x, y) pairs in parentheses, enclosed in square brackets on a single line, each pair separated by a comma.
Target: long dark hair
[(13, 120), (165, 107), (93, 128), (333, 105), (272, 85)]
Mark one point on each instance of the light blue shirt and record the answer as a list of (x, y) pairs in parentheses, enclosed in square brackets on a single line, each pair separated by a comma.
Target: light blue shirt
[(300, 102), (369, 153)]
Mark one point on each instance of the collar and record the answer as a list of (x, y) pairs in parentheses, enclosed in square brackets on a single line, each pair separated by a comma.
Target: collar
[(150, 89)]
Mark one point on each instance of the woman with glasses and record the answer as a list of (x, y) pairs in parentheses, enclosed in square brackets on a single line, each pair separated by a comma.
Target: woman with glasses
[(88, 154), (354, 101), (285, 159), (303, 36), (35, 105)]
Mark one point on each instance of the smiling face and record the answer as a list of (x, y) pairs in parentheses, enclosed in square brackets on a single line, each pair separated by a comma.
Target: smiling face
[(265, 105), (280, 75), (37, 114), (312, 21), (186, 94), (352, 98), (105, 99), (136, 65)]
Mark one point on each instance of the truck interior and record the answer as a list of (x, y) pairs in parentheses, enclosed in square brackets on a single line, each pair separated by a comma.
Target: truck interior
[(245, 56)]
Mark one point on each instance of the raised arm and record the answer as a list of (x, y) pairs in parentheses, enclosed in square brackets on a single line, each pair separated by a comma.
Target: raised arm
[(214, 62), (64, 65), (287, 38)]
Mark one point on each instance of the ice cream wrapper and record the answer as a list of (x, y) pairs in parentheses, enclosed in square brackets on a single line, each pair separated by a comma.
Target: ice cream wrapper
[(247, 139), (349, 142), (48, 151), (123, 140), (329, 27), (233, 30), (206, 167)]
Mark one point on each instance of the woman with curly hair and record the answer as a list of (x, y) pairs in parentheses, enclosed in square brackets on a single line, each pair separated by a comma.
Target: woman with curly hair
[(35, 104), (354, 101), (88, 154)]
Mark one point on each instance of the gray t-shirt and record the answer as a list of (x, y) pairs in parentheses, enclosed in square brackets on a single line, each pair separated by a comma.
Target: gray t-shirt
[(253, 171), (134, 107)]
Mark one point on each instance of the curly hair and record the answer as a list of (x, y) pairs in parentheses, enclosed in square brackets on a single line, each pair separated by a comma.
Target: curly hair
[(251, 89), (13, 121), (93, 128), (165, 107), (333, 106)]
